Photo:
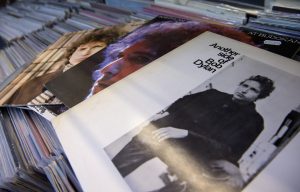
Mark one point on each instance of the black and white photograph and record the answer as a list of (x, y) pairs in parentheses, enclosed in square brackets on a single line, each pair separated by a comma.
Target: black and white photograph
[(217, 137)]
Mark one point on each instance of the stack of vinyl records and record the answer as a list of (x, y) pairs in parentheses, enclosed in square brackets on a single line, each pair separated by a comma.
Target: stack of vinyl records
[(286, 24), (208, 10), (255, 17), (24, 43), (32, 158), (273, 30), (26, 89), (45, 23)]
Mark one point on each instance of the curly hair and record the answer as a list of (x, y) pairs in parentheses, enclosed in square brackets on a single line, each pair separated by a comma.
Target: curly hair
[(266, 85), (107, 36)]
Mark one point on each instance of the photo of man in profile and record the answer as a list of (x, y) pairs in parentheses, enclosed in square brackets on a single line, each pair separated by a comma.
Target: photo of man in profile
[(148, 43), (201, 137)]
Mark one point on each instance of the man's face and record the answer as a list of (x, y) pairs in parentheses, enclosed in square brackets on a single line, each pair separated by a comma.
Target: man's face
[(247, 91), (133, 58), (86, 50)]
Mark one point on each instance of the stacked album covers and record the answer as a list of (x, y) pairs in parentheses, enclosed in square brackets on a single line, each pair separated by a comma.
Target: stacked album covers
[(39, 69), (32, 158), (126, 57), (30, 57), (27, 87), (46, 22), (211, 10), (24, 43), (89, 71), (283, 24), (184, 122)]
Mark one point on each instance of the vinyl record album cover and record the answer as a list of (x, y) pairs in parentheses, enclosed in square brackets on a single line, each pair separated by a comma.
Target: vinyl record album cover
[(153, 40), (213, 114)]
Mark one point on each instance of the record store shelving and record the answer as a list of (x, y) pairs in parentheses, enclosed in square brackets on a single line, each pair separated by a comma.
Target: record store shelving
[(35, 161), (31, 157), (28, 28)]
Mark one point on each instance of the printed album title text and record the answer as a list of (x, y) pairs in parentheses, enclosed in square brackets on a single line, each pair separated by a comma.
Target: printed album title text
[(214, 64)]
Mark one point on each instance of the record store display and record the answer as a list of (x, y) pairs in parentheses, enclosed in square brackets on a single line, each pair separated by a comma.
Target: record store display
[(286, 24), (32, 158), (34, 38), (27, 86), (45, 23)]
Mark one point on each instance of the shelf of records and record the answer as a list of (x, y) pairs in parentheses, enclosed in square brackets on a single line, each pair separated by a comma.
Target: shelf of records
[(46, 21), (27, 88), (40, 55), (28, 28), (32, 158)]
